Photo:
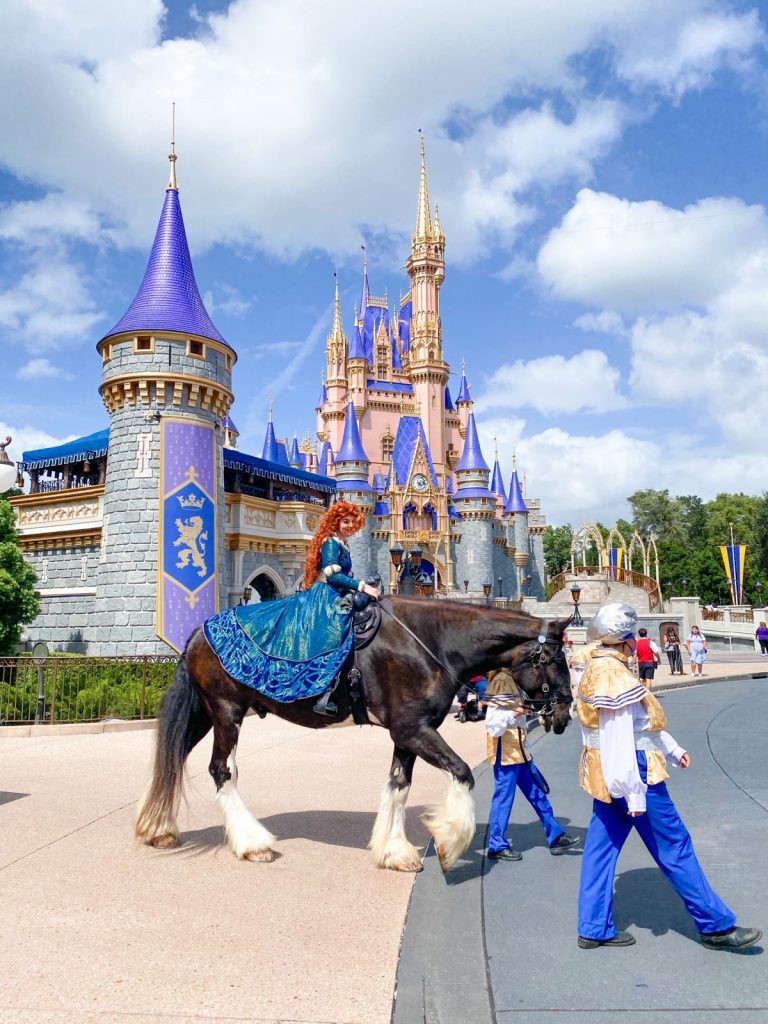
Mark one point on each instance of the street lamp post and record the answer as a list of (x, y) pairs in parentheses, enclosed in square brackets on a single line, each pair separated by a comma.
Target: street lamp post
[(466, 585), (527, 581), (487, 590), (406, 564), (247, 594), (759, 592), (500, 581), (576, 594), (683, 581)]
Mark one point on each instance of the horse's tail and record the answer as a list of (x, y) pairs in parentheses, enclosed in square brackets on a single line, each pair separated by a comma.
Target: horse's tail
[(182, 723)]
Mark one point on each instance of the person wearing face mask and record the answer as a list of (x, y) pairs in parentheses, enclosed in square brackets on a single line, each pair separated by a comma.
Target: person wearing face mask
[(623, 767)]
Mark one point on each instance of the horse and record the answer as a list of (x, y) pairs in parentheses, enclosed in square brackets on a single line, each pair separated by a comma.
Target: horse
[(423, 652)]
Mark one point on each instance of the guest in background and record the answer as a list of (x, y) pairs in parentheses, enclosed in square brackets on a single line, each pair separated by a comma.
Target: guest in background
[(696, 645), (671, 647), (761, 635)]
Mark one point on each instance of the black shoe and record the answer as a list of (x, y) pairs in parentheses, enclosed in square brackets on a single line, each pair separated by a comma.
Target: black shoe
[(563, 843), (734, 938), (619, 939), (508, 854)]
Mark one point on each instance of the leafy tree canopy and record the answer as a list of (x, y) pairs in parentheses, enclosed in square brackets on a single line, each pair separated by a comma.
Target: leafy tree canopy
[(19, 603)]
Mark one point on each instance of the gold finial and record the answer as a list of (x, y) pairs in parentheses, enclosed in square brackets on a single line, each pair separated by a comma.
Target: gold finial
[(423, 217), (172, 155), (365, 259), (525, 484), (337, 331)]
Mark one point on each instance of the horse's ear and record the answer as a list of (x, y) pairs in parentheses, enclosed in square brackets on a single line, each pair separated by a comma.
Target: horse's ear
[(559, 626)]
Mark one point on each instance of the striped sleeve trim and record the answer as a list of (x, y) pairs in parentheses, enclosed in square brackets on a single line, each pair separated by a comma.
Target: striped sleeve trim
[(329, 570), (613, 703)]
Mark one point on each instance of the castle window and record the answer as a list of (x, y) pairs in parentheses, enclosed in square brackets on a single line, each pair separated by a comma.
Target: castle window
[(143, 343), (387, 447), (195, 349), (106, 353)]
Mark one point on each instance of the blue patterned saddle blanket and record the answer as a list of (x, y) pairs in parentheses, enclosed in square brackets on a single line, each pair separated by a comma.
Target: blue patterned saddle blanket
[(287, 650)]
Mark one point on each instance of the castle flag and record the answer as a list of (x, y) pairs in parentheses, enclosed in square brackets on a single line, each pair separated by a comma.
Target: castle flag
[(734, 556), (615, 558)]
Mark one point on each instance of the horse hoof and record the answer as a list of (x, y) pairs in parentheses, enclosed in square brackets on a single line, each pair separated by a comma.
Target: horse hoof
[(166, 842), (262, 856), (410, 866)]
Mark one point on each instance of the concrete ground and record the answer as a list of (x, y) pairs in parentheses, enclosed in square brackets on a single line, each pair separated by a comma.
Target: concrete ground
[(96, 929)]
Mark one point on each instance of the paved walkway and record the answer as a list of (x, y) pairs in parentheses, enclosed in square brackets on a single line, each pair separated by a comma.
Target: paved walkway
[(496, 942), (96, 929)]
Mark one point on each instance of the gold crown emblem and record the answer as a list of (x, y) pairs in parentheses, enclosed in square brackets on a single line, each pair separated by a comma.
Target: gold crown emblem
[(191, 501)]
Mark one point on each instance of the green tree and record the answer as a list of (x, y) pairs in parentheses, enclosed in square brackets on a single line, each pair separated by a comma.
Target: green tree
[(760, 540), (694, 518), (655, 512), (19, 602), (557, 548), (726, 510)]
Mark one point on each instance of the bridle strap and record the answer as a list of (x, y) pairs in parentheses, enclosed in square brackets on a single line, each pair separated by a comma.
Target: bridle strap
[(421, 644)]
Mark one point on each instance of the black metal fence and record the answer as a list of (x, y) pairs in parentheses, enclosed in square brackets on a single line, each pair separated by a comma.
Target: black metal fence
[(82, 689)]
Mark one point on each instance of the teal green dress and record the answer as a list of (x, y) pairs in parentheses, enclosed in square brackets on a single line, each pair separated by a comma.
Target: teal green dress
[(294, 648)]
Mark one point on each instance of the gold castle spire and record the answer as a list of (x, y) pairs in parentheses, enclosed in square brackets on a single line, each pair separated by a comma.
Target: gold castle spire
[(172, 155), (336, 337), (424, 231)]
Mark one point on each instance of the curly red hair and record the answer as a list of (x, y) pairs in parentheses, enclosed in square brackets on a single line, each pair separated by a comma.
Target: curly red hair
[(329, 525)]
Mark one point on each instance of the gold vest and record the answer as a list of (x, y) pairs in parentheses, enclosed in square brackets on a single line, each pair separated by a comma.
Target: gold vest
[(607, 676), (514, 746)]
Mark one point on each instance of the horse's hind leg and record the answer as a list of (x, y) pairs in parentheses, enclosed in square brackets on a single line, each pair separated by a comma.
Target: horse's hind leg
[(247, 837), (389, 844), (452, 824)]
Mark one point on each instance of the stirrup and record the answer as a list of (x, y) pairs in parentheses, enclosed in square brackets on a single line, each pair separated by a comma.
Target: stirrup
[(325, 705)]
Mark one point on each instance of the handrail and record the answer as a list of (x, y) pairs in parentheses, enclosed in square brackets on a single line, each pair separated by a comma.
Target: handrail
[(628, 576)]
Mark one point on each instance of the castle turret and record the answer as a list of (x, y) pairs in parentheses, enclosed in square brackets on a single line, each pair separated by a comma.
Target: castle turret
[(517, 529), (331, 419), (294, 459), (497, 486), (166, 383), (477, 507), (429, 371), (463, 401), (351, 471), (269, 450)]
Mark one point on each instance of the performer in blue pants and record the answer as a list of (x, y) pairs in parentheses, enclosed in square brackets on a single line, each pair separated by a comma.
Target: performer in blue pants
[(623, 767), (512, 767)]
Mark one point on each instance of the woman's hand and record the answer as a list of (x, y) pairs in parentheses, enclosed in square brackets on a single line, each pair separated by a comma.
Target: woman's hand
[(685, 760), (373, 592)]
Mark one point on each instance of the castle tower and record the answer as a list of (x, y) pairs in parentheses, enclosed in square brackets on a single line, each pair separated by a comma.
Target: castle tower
[(477, 506), (429, 372), (517, 510), (463, 401), (166, 383), (351, 467)]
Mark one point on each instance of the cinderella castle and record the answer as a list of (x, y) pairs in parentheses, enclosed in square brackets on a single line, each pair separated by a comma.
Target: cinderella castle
[(140, 531)]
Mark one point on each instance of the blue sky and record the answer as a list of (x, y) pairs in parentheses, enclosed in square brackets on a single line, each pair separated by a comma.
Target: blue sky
[(600, 169)]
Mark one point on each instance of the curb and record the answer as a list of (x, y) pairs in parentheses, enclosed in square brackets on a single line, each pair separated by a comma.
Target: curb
[(76, 728)]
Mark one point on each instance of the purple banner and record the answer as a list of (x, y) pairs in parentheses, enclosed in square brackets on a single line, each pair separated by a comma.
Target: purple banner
[(187, 570)]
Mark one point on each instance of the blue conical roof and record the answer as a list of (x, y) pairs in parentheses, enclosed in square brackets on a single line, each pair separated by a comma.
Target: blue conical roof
[(294, 459), (168, 299), (357, 347), (516, 502), (269, 451), (326, 459), (351, 449), (497, 482), (472, 456), (448, 402), (323, 397), (464, 395)]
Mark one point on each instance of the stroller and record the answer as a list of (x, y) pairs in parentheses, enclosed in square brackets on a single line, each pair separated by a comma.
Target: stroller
[(471, 704)]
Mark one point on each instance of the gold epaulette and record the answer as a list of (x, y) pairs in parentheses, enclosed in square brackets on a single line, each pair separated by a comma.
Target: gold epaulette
[(607, 683)]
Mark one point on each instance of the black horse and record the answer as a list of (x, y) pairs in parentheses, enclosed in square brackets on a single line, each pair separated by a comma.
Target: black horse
[(424, 650)]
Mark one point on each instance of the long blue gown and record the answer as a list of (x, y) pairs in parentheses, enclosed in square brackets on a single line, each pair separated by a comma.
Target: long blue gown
[(293, 648)]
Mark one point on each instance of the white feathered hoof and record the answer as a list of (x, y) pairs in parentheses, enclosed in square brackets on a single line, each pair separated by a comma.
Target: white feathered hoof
[(401, 856), (165, 842), (452, 824), (260, 856)]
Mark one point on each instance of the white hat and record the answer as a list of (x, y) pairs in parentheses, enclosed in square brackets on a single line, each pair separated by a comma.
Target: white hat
[(613, 623)]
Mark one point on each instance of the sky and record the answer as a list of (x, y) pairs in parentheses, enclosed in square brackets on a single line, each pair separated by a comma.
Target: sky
[(600, 169)]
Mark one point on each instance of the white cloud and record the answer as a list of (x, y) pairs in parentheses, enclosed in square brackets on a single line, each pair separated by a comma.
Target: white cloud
[(36, 222), (50, 303), (639, 256), (555, 384), (301, 160), (37, 368), (605, 322)]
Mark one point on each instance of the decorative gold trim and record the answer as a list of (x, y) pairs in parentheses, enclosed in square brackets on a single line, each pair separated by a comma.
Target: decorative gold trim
[(217, 346)]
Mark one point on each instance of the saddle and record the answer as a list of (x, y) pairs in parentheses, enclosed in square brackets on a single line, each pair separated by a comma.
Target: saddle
[(366, 620)]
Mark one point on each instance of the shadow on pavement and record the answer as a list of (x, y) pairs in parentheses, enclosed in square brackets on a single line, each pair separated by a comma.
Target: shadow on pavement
[(644, 898), (7, 798), (529, 836)]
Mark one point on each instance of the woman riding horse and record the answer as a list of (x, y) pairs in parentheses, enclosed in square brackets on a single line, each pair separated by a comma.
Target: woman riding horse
[(277, 657)]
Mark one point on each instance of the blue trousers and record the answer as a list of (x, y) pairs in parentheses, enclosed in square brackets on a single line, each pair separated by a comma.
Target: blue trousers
[(507, 777), (669, 843)]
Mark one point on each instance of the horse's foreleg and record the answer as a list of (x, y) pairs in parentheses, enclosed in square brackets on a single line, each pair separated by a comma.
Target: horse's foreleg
[(247, 837), (452, 823), (388, 843)]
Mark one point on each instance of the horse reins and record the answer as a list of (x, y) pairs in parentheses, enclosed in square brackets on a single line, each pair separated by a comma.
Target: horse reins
[(537, 658)]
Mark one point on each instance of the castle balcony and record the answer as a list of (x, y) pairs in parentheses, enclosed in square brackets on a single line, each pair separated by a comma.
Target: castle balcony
[(257, 524), (60, 517)]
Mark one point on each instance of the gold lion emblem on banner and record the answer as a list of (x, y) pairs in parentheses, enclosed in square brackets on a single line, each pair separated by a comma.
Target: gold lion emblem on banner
[(193, 537)]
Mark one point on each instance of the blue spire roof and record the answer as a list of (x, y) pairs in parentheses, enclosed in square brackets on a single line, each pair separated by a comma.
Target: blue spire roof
[(448, 403), (230, 426), (397, 363), (323, 396), (356, 348), (168, 299), (351, 449), (269, 452), (294, 459), (497, 482), (404, 324), (325, 460), (472, 456), (516, 502), (464, 395)]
